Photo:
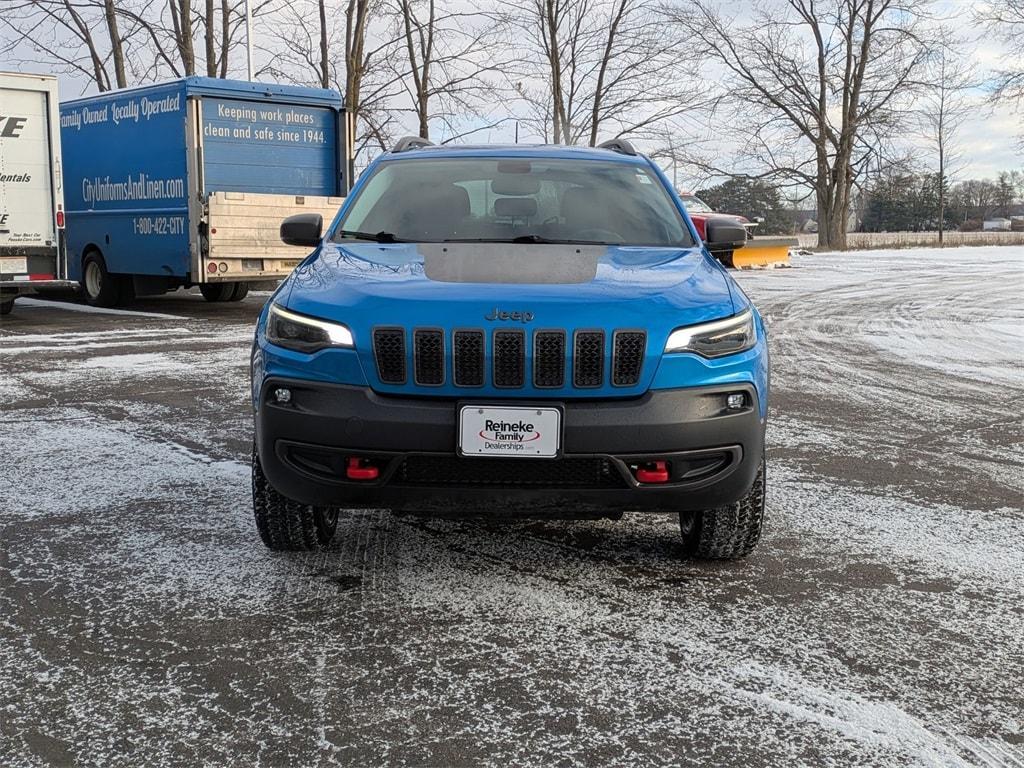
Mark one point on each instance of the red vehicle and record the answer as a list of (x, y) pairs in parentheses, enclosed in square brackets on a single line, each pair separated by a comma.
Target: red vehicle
[(704, 215)]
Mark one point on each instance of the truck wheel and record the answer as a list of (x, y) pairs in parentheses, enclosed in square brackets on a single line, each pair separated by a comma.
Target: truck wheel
[(729, 532), (726, 258), (217, 291), (6, 307), (101, 288), (241, 291), (285, 525)]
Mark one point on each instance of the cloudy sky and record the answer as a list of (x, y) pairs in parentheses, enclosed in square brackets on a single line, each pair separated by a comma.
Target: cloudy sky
[(993, 141), (990, 142)]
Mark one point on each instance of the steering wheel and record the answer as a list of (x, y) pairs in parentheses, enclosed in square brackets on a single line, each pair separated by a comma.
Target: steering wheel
[(596, 233)]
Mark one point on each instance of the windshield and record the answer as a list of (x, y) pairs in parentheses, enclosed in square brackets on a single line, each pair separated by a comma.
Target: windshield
[(695, 205), (507, 200)]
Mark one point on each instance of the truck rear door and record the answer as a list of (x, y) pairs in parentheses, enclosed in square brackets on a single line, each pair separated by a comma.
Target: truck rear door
[(262, 162), (28, 234)]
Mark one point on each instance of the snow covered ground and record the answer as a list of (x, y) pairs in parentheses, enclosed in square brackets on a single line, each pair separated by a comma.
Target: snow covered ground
[(880, 622)]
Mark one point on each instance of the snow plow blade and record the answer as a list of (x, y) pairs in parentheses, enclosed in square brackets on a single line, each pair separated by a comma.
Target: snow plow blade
[(763, 252)]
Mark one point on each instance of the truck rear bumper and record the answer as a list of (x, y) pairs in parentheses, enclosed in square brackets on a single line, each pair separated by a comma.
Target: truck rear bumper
[(11, 287), (711, 453)]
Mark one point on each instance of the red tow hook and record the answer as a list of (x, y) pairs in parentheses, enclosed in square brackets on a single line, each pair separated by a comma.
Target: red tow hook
[(356, 469), (652, 472)]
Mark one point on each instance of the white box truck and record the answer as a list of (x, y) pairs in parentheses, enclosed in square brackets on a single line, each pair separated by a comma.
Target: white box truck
[(31, 191)]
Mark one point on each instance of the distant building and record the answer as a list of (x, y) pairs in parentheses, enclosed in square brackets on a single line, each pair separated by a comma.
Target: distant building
[(806, 220), (996, 225)]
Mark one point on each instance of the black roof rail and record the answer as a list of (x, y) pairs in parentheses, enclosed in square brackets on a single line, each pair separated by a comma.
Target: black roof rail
[(412, 142), (622, 146)]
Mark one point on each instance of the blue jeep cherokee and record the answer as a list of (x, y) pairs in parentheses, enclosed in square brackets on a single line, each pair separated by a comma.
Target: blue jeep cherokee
[(510, 330)]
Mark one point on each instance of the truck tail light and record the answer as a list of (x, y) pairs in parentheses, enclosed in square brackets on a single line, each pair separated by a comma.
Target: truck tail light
[(60, 218), (212, 268), (360, 469), (652, 472)]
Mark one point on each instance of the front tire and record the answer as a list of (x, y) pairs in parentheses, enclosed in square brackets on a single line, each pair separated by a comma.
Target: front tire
[(285, 525), (726, 533)]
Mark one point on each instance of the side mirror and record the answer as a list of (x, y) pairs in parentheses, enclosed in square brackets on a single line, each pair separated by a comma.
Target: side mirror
[(721, 233), (303, 229)]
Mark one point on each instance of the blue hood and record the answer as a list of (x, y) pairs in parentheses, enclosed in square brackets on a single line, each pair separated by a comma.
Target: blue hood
[(364, 285), (358, 283)]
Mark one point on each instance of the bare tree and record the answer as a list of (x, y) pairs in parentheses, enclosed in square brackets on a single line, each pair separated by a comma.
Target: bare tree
[(307, 30), (181, 18), (210, 37), (810, 90), (218, 48), (117, 43), (419, 43), (447, 57), (606, 66), (63, 34), (942, 111), (172, 28), (357, 61), (347, 45), (1003, 20), (366, 91), (977, 198)]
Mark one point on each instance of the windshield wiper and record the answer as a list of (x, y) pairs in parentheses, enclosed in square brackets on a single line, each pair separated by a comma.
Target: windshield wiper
[(380, 237), (529, 239)]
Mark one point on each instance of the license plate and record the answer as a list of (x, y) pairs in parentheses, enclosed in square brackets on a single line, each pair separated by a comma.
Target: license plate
[(509, 431), (13, 266)]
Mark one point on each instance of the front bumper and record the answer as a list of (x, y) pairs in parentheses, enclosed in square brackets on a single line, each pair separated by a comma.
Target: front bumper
[(712, 453)]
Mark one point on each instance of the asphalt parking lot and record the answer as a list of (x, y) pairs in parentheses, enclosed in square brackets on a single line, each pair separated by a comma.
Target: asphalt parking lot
[(880, 622)]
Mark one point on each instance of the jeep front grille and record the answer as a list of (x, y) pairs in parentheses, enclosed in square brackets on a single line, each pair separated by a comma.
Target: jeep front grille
[(628, 357), (545, 358), (509, 359), (548, 359), (468, 360), (389, 352), (588, 359), (428, 352)]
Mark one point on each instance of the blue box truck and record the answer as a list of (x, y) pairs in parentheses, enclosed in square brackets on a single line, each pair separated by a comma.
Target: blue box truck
[(186, 182)]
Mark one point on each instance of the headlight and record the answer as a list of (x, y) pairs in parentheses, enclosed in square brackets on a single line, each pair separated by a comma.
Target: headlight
[(304, 334), (722, 337)]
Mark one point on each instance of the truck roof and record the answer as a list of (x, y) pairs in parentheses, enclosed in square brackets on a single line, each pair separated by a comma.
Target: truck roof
[(28, 75), (557, 151), (212, 86)]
